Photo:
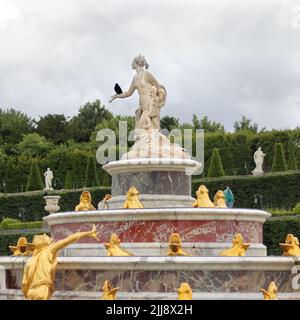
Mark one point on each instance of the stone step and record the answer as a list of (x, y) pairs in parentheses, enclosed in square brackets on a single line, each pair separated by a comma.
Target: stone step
[(13, 294)]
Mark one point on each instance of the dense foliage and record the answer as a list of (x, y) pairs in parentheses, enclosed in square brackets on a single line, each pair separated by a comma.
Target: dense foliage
[(29, 206), (65, 144), (276, 230), (274, 190)]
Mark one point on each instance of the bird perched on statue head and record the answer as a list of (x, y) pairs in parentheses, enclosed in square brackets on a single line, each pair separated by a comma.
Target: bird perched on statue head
[(118, 89)]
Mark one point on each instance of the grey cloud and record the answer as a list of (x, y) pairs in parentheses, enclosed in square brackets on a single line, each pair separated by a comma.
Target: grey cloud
[(216, 58)]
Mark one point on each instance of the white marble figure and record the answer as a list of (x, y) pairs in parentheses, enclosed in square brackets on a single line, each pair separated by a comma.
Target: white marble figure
[(152, 95), (48, 179), (149, 142), (259, 160)]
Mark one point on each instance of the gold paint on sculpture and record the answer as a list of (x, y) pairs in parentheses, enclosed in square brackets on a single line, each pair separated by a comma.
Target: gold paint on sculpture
[(219, 200), (85, 203), (238, 248), (132, 199), (271, 293), (109, 293), (291, 246), (203, 200), (185, 292), (175, 248), (113, 247), (21, 249), (40, 269)]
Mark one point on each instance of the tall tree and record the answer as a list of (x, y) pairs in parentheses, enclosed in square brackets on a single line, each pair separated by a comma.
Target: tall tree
[(33, 145), (89, 115), (69, 181), (215, 167), (91, 176), (279, 162), (245, 124), (211, 126), (169, 123), (196, 122), (292, 161), (53, 127), (13, 125), (34, 180)]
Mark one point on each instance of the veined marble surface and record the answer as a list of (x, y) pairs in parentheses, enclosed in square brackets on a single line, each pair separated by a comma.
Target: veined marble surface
[(163, 274)]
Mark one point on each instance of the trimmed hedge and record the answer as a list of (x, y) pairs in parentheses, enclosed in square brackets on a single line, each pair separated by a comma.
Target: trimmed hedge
[(23, 225), (278, 190), (31, 204), (275, 231)]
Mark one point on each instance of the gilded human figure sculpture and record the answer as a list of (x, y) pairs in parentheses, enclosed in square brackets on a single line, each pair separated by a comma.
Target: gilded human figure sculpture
[(103, 204), (238, 248), (132, 199), (219, 200), (271, 293), (85, 203), (291, 246), (203, 200), (109, 293), (152, 95), (175, 246), (40, 269), (185, 292), (114, 249), (21, 249)]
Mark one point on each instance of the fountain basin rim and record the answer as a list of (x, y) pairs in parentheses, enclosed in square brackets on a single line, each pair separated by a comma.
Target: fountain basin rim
[(151, 164), (162, 263), (157, 214)]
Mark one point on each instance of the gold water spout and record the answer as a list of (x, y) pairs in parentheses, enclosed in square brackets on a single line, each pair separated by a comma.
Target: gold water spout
[(185, 292), (85, 203), (291, 246), (203, 200), (271, 293), (132, 199), (175, 246), (113, 247), (238, 248)]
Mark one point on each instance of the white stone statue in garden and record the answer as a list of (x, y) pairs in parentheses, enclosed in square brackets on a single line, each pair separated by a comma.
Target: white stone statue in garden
[(152, 95), (259, 160), (48, 179), (150, 142)]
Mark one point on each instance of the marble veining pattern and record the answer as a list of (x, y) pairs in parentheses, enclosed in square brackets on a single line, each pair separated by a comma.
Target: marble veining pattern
[(155, 182), (159, 231)]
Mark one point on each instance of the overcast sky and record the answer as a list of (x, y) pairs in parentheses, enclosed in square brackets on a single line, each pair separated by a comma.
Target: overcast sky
[(216, 58)]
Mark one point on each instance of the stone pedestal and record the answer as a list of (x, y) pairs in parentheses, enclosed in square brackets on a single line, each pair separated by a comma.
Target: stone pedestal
[(52, 204), (160, 182)]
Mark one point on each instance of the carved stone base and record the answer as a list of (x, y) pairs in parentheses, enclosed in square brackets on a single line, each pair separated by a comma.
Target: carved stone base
[(160, 182)]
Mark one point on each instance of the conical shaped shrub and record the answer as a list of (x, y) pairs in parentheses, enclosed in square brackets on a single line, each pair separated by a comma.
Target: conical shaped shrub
[(34, 181), (91, 177), (69, 180), (215, 168), (292, 161), (279, 162)]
